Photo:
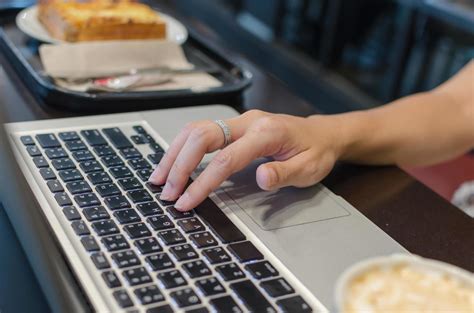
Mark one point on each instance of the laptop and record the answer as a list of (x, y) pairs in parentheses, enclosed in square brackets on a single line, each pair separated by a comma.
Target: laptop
[(241, 250)]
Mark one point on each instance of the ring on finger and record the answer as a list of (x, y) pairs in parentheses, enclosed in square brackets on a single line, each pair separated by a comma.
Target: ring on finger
[(226, 131)]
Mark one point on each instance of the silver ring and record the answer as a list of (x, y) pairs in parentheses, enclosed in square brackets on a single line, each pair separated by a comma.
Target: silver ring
[(226, 130)]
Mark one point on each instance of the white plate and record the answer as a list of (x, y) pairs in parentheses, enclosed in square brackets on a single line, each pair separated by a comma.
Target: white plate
[(27, 21)]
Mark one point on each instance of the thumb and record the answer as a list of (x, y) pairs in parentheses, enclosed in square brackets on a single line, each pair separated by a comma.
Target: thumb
[(278, 174)]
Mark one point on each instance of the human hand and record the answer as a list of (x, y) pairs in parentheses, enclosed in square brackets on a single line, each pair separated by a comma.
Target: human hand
[(304, 152)]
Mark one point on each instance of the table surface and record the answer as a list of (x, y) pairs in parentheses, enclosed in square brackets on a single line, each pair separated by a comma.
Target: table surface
[(420, 220)]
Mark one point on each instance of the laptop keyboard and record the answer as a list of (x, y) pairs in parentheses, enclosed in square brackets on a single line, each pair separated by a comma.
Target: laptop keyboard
[(152, 257)]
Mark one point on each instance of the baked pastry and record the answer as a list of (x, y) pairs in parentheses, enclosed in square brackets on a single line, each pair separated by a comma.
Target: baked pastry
[(100, 20)]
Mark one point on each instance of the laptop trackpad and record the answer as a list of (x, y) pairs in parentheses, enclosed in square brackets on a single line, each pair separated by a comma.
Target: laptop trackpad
[(283, 208)]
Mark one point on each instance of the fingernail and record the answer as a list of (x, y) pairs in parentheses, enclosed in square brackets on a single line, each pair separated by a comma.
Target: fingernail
[(271, 177), (166, 193), (182, 202), (154, 178)]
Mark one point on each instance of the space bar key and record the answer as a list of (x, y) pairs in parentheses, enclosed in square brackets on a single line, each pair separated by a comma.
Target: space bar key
[(219, 223)]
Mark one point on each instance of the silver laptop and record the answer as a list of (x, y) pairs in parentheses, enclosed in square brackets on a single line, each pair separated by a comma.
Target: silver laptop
[(242, 250)]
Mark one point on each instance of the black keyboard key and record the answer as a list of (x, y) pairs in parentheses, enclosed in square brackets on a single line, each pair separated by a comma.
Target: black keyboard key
[(294, 304), (123, 299), (160, 222), (219, 223), (90, 244), (203, 240), (185, 297), (63, 164), (144, 174), (139, 129), (93, 137), (139, 195), (33, 151), (111, 160), (86, 199), (210, 286), (99, 178), (139, 139), (277, 287), (104, 150), (261, 270), (191, 225), (137, 276), (252, 297), (111, 279), (107, 190), (230, 271), (115, 243), (27, 140), (40, 162), (95, 213), (138, 164), (197, 269), (70, 175), (78, 187), (80, 228), (149, 294), (55, 153), (127, 216), (100, 261), (130, 153), (164, 202), (172, 279), (105, 227), (216, 255), (225, 304), (155, 158), (55, 186), (75, 145), (118, 139), (68, 136), (62, 199), (48, 141), (117, 202), (149, 208), (138, 230), (149, 138), (154, 188), (245, 251), (148, 245), (129, 184), (47, 173), (184, 252), (159, 261), (156, 147), (125, 259), (171, 237), (91, 166), (160, 309), (71, 213), (178, 214), (82, 155), (120, 172)]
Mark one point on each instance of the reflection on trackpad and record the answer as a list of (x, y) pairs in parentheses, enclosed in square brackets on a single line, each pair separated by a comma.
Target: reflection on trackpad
[(284, 208)]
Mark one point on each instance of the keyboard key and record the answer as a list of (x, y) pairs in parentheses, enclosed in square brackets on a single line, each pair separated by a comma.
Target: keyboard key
[(277, 287), (55, 153), (78, 187), (48, 141), (40, 162), (86, 199), (138, 230), (127, 216), (106, 227), (210, 286), (216, 255), (125, 259), (123, 298), (185, 297), (149, 208), (75, 145), (91, 166), (177, 214), (172, 279), (129, 184), (82, 155), (130, 153), (159, 261), (80, 228), (63, 164), (164, 202), (106, 190), (33, 151), (55, 186), (140, 195), (120, 172), (171, 237), (99, 178), (149, 294), (111, 279), (117, 202), (230, 271), (47, 173), (156, 147), (203, 240), (197, 269), (184, 252), (71, 213), (139, 139), (294, 304), (261, 270), (160, 222), (62, 199), (252, 297), (115, 243), (27, 140), (70, 175), (100, 261), (149, 138), (155, 158), (89, 243), (93, 137), (67, 136), (245, 251), (219, 223), (160, 309), (191, 225), (144, 174), (111, 160), (103, 151), (118, 139), (138, 164), (139, 129), (154, 188), (137, 276), (95, 213), (225, 304), (148, 245)]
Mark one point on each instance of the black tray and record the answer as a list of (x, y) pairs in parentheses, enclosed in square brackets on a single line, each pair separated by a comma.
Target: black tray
[(21, 51)]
